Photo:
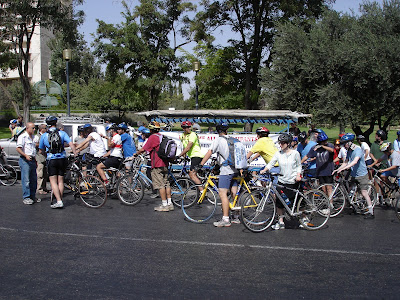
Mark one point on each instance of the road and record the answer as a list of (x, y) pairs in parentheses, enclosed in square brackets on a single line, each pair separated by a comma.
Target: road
[(121, 252)]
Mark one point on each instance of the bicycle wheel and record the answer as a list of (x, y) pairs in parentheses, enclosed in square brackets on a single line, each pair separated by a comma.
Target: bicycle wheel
[(196, 210), (8, 175), (258, 210), (92, 191), (178, 187), (397, 208), (130, 189), (313, 209), (338, 199), (359, 202)]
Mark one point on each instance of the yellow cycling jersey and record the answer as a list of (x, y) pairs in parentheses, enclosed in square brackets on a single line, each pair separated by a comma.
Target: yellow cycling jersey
[(266, 147), (195, 151)]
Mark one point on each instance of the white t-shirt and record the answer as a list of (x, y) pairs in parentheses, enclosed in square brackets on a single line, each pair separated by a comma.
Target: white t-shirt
[(220, 146), (97, 147), (117, 149), (289, 163), (27, 144), (365, 147), (342, 153)]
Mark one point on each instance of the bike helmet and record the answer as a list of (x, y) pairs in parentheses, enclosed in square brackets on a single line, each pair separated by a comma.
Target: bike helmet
[(146, 131), (382, 134), (51, 120), (154, 125), (263, 131), (111, 126), (385, 146), (222, 127), (186, 124), (123, 126), (285, 137), (321, 136), (398, 132), (13, 121), (302, 136), (80, 128), (87, 126), (348, 137)]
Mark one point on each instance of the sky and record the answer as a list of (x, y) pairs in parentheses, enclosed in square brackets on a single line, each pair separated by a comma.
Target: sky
[(109, 11)]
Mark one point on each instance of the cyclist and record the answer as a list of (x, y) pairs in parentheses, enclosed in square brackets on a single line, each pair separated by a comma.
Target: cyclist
[(375, 153), (323, 154), (56, 162), (94, 141), (290, 170), (359, 173), (304, 147), (128, 144), (159, 167), (396, 142), (227, 172), (114, 155), (366, 149), (191, 144), (393, 158)]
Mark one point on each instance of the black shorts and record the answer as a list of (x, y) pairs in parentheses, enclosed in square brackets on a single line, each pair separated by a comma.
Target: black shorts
[(57, 167), (289, 193), (195, 161), (325, 179), (112, 162)]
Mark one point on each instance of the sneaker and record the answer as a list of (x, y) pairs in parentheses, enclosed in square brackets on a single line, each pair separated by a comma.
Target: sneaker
[(37, 200), (171, 207), (307, 221), (57, 205), (222, 223), (28, 201), (161, 208), (235, 221), (278, 226), (369, 216), (153, 196), (325, 211)]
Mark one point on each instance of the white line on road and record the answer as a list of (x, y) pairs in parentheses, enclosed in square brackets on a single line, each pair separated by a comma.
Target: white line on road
[(203, 243)]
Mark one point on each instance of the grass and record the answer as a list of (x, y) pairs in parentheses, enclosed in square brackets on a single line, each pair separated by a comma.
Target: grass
[(4, 132)]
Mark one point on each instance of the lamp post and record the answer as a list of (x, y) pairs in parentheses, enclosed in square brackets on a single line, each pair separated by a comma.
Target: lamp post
[(196, 68), (67, 54)]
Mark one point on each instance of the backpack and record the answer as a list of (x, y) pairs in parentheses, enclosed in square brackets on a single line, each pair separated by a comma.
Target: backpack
[(56, 144), (168, 147), (237, 154)]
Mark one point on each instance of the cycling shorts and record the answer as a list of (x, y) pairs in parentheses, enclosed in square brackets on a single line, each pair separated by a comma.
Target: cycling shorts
[(325, 179), (57, 167), (226, 181), (195, 161), (112, 162), (363, 181)]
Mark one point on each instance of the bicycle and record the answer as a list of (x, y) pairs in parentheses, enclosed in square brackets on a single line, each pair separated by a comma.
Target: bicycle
[(8, 174), (310, 207), (389, 191), (129, 185), (90, 189), (200, 208)]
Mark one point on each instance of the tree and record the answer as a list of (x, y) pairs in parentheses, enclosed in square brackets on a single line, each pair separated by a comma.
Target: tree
[(142, 47), (19, 20), (253, 22)]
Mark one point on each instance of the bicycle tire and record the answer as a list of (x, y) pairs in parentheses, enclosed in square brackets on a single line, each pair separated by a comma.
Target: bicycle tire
[(359, 203), (195, 210), (130, 189), (397, 208), (92, 191), (9, 177), (178, 187), (258, 210), (313, 209), (338, 199)]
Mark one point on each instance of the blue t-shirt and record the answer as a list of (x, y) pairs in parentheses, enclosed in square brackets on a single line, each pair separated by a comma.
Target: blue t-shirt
[(324, 160), (303, 150), (45, 145), (360, 168), (128, 145)]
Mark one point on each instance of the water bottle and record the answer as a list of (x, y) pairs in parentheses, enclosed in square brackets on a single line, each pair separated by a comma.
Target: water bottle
[(106, 174), (285, 198), (351, 193)]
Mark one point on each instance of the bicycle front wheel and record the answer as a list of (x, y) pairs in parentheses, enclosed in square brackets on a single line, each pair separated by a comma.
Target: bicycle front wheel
[(92, 191), (258, 210), (130, 190), (179, 185), (338, 199), (198, 209), (8, 175), (313, 209)]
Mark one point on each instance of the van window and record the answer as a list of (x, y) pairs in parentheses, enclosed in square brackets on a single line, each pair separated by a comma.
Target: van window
[(68, 130)]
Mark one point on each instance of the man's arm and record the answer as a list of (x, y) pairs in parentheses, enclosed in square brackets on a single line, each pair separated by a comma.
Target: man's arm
[(84, 144), (187, 149), (206, 157)]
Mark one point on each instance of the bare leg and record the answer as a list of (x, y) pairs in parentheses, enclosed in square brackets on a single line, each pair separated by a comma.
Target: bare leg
[(54, 187), (223, 194)]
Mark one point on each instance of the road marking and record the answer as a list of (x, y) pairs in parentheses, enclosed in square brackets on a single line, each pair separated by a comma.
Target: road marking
[(194, 243)]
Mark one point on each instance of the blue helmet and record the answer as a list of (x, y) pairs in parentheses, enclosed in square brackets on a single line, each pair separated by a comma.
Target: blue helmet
[(87, 126), (51, 120), (321, 136), (111, 126), (145, 130), (13, 121), (398, 132), (348, 137), (222, 126), (123, 126)]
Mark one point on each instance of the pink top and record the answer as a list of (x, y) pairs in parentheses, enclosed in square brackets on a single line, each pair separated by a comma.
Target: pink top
[(152, 145)]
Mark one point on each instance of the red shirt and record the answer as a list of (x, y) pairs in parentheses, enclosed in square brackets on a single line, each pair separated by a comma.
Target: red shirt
[(152, 145)]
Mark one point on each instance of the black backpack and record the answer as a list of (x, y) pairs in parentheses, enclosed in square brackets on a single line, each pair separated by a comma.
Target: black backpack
[(56, 144)]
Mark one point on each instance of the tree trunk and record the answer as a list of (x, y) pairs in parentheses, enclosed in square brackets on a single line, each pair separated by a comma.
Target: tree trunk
[(9, 98)]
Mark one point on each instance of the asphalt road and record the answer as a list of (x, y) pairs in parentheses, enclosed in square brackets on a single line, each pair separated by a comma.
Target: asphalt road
[(121, 252)]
